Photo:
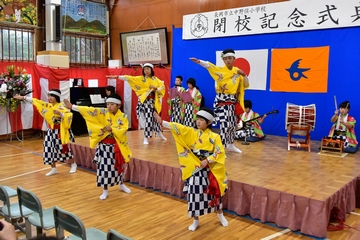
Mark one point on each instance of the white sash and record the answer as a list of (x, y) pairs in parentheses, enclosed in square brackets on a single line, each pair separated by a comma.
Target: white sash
[(343, 128)]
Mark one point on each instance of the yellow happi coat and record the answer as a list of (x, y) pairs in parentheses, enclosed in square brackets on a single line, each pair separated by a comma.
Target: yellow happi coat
[(46, 110), (97, 118), (188, 139), (228, 81), (141, 86)]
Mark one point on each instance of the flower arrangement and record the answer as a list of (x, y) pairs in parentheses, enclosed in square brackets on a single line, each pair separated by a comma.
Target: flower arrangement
[(12, 83)]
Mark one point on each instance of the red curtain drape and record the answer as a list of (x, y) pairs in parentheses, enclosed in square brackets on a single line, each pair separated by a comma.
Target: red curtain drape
[(55, 75)]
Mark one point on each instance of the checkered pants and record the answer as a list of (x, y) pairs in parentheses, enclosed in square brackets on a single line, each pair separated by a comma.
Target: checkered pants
[(343, 138), (198, 201), (147, 109), (188, 116), (175, 116), (225, 115), (106, 174), (53, 147), (245, 133)]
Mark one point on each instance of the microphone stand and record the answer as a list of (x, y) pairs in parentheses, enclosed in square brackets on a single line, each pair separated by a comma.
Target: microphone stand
[(245, 142)]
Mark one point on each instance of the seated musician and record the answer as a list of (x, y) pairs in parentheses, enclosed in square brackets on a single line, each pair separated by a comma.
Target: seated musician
[(251, 129), (343, 127)]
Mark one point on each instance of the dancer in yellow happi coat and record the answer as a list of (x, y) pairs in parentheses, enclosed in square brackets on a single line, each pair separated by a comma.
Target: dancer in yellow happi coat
[(150, 91), (59, 134), (230, 83), (202, 162), (107, 130)]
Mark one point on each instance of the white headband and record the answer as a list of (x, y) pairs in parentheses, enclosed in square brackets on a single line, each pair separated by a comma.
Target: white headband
[(229, 54), (113, 100), (148, 65), (205, 114), (54, 93)]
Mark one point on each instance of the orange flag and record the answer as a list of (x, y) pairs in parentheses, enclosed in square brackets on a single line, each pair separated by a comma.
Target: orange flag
[(299, 69)]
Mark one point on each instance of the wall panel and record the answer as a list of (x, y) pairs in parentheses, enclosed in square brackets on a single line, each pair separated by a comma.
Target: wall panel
[(128, 15)]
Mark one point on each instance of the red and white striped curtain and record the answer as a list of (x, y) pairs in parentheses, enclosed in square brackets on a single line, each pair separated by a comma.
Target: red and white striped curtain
[(45, 78)]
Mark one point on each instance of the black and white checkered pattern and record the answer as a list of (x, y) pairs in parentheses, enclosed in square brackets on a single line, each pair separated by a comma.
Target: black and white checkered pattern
[(245, 133), (147, 109), (106, 174), (53, 147), (343, 138), (175, 115), (188, 116), (227, 119), (225, 115), (198, 201)]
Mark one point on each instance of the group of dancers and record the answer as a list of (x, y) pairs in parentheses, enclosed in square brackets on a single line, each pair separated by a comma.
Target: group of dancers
[(201, 152)]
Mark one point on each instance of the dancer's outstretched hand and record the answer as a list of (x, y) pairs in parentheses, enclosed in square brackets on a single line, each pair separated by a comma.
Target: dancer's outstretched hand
[(18, 97), (241, 72), (157, 118), (67, 103), (195, 60)]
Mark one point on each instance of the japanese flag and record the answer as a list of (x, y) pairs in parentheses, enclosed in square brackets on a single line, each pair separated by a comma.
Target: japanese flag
[(253, 63)]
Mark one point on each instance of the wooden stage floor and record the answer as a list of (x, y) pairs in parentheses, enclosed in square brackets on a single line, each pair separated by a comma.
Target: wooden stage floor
[(296, 189), (267, 163)]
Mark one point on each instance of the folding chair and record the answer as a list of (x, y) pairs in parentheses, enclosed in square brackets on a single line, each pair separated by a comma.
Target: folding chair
[(70, 222), (11, 193), (114, 235), (11, 211), (42, 219)]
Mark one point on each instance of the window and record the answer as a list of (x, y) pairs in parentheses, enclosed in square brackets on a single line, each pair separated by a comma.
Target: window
[(16, 44), (85, 50)]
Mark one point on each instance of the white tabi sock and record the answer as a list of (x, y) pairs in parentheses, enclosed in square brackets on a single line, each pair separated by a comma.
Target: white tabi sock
[(194, 226), (124, 188), (104, 195), (223, 220), (73, 168), (232, 148), (161, 136), (52, 172)]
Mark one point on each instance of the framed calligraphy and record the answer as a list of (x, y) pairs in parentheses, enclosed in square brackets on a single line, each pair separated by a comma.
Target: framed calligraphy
[(147, 46)]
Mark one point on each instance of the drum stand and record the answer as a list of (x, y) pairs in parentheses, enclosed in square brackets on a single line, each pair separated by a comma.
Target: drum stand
[(329, 144), (296, 129)]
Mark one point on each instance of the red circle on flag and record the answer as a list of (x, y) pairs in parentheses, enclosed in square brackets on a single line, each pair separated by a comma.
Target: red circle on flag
[(243, 64)]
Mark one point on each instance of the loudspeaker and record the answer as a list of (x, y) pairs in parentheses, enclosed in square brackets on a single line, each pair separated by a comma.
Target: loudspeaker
[(58, 24)]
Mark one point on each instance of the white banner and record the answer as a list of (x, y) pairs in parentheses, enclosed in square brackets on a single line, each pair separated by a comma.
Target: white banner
[(275, 17)]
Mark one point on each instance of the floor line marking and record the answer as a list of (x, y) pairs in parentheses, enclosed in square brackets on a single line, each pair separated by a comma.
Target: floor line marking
[(17, 154), (276, 234), (20, 175), (355, 213), (18, 147)]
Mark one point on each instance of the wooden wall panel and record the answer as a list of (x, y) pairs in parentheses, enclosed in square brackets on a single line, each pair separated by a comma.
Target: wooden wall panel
[(131, 15)]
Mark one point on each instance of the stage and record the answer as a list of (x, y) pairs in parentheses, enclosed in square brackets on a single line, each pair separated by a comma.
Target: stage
[(295, 189)]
